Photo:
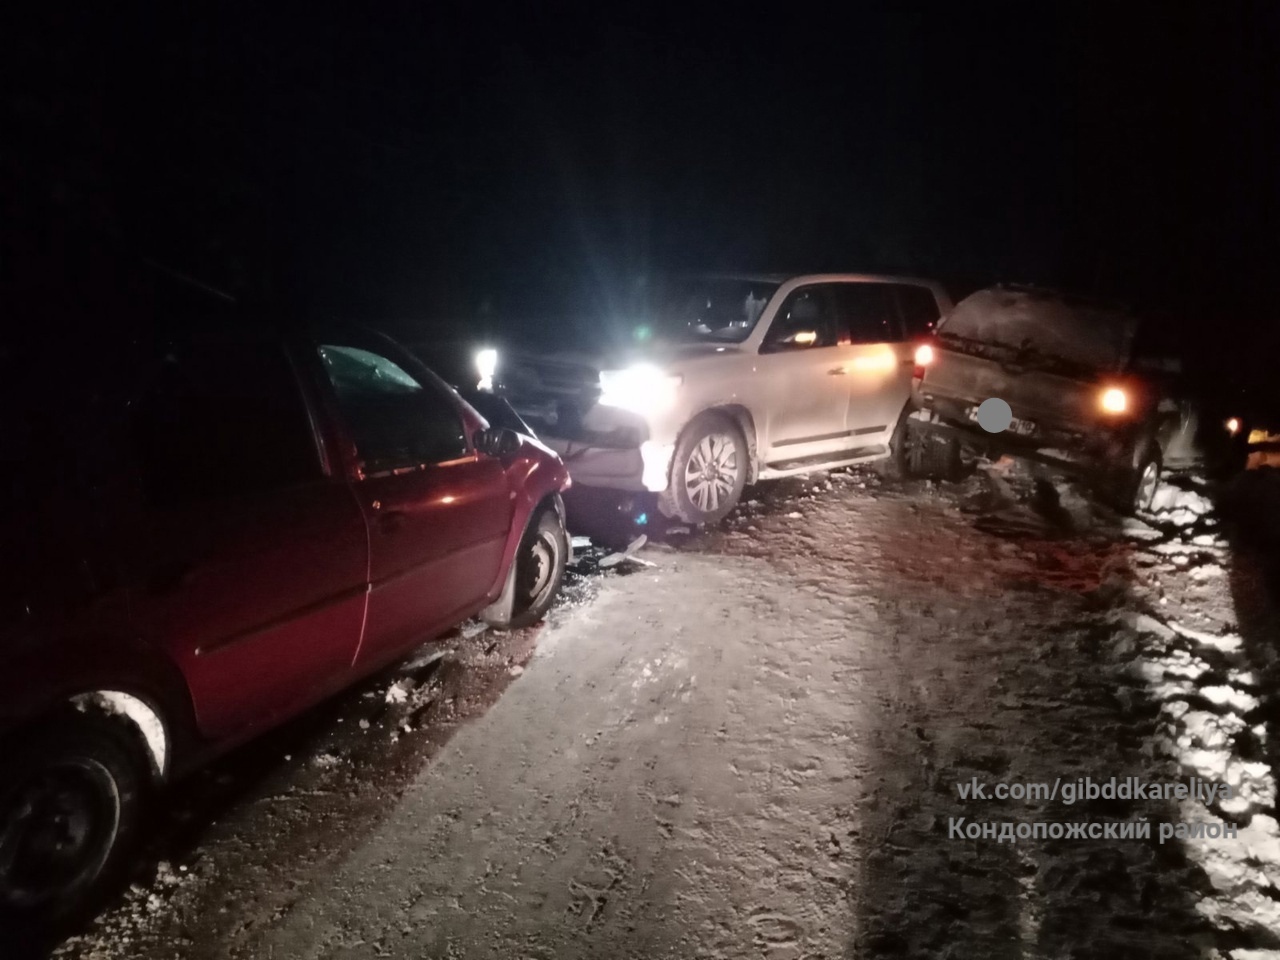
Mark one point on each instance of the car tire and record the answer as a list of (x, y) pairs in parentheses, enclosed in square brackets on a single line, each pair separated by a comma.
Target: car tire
[(708, 471), (1128, 489), (920, 452), (537, 573), (72, 800)]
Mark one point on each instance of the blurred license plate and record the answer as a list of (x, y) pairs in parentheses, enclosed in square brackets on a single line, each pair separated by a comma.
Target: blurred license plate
[(1023, 428)]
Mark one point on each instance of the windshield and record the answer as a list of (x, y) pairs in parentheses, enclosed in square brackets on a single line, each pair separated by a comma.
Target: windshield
[(1037, 324), (720, 309)]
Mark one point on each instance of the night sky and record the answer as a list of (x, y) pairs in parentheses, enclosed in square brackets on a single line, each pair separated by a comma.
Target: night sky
[(429, 160)]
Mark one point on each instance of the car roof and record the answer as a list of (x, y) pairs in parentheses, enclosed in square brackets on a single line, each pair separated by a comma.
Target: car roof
[(827, 276)]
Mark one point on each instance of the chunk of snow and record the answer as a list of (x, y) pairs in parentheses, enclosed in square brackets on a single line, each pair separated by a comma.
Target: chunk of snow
[(398, 692), (1224, 695), (1226, 643)]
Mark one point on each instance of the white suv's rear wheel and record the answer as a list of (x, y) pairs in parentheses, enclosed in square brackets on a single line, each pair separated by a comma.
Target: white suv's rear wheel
[(708, 471)]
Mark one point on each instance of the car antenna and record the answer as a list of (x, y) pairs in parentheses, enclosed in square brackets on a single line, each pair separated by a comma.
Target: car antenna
[(187, 279)]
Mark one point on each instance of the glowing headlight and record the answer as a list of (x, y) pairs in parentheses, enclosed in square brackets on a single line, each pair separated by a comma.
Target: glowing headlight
[(641, 389), (486, 367), (1114, 400), (1233, 425)]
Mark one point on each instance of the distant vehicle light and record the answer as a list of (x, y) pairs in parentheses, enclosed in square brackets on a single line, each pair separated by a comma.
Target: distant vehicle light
[(1233, 425), (1114, 400), (642, 388), (1262, 436), (486, 367)]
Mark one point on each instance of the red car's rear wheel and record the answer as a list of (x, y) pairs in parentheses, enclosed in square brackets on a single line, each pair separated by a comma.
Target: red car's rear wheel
[(70, 804)]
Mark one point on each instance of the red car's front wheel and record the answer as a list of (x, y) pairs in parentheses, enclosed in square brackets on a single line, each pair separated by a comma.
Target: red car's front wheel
[(536, 574)]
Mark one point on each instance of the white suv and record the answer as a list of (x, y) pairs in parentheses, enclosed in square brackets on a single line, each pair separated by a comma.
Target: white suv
[(728, 380)]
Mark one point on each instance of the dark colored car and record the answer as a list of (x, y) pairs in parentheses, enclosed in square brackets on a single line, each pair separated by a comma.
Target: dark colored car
[(1091, 390), (211, 526)]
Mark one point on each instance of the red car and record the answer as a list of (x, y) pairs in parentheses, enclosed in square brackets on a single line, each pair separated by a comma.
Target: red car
[(208, 532)]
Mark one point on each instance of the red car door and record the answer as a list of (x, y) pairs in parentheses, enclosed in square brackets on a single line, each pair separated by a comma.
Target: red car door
[(438, 511), (250, 559)]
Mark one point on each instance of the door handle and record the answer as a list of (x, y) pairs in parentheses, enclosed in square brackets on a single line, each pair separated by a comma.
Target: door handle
[(836, 372)]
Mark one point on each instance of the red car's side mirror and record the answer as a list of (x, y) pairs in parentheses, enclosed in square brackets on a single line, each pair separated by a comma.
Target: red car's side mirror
[(497, 441)]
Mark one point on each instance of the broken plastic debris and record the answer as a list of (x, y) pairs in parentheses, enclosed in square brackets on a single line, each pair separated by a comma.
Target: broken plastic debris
[(613, 559)]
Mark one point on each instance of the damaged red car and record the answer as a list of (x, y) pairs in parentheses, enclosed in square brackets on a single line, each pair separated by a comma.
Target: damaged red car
[(210, 528)]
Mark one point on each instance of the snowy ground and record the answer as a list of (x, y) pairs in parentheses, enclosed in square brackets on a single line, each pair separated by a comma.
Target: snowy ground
[(750, 749)]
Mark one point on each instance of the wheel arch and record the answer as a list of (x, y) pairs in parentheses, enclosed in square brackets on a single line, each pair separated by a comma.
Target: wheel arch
[(503, 603), (146, 723)]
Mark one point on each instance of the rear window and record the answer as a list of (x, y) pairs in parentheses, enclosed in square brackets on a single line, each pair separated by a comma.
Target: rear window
[(919, 309), (1079, 334)]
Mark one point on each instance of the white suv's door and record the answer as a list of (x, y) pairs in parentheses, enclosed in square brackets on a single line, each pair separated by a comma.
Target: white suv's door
[(802, 369), (878, 359)]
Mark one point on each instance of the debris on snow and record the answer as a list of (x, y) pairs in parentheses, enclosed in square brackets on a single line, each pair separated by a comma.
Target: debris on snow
[(399, 691)]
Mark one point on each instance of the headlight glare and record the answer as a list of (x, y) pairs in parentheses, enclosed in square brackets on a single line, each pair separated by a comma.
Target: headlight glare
[(486, 367), (642, 388), (1114, 400)]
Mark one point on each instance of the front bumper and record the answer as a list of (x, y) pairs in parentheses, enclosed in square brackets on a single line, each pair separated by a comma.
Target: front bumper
[(633, 468)]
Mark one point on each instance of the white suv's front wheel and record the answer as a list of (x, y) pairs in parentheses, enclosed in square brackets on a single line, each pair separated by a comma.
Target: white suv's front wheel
[(708, 471)]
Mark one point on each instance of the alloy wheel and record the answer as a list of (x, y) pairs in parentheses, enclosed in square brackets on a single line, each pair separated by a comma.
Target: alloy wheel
[(711, 472)]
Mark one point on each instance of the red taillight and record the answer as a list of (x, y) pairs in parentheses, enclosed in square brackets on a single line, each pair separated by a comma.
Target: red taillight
[(924, 357)]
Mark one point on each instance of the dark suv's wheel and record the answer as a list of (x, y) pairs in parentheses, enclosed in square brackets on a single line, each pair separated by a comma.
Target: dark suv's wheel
[(71, 797), (1128, 489), (708, 471), (921, 452)]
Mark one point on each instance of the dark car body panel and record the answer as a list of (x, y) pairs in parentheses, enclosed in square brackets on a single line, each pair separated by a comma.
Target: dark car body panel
[(1050, 358)]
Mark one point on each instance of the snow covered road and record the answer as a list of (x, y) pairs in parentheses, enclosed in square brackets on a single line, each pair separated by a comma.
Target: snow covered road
[(752, 749)]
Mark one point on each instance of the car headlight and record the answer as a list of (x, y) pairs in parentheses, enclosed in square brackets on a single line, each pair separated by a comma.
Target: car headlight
[(1233, 425), (1114, 400), (486, 367), (642, 388)]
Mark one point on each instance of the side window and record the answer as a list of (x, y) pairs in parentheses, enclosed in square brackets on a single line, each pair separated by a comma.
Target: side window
[(803, 320), (866, 313), (222, 419), (919, 310), (396, 420)]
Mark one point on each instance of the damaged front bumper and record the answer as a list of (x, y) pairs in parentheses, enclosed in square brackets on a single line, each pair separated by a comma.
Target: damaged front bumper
[(645, 467), (1070, 451)]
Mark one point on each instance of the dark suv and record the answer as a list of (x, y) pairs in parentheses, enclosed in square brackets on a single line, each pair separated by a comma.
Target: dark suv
[(1068, 382), (211, 525)]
